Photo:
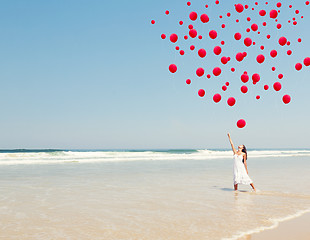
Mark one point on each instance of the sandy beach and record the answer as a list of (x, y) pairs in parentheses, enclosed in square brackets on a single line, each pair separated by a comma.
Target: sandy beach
[(152, 195), (297, 228)]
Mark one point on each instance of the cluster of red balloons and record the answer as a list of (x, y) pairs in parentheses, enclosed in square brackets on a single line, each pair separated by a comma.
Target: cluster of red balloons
[(283, 43)]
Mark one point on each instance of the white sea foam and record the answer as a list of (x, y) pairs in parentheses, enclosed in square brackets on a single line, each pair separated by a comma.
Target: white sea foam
[(274, 224), (61, 157)]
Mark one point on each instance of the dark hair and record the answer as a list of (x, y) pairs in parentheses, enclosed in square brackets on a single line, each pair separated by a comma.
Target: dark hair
[(246, 153)]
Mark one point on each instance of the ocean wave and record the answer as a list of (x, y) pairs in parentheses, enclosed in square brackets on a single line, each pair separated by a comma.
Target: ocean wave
[(64, 156), (274, 224)]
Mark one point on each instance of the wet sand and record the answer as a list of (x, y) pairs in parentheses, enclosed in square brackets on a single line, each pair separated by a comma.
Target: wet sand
[(297, 228)]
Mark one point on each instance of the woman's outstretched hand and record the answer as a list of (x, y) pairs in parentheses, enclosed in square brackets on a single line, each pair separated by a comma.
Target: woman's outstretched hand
[(231, 143)]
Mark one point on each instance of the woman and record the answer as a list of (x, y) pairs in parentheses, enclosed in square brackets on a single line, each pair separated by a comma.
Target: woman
[(240, 166)]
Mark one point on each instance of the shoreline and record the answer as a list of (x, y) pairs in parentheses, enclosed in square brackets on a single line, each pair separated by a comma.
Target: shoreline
[(291, 228)]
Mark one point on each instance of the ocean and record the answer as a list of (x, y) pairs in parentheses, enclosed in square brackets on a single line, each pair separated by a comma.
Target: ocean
[(148, 194)]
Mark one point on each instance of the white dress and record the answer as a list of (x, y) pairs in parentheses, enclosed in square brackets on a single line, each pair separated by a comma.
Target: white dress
[(240, 174)]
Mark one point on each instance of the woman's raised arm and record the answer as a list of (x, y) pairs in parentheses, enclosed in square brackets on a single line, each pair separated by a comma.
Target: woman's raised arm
[(231, 143)]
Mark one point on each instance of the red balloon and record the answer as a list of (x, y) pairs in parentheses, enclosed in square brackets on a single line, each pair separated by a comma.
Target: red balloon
[(307, 61), (201, 92), (193, 16), (266, 87), (200, 72), (279, 4), (173, 38), (262, 12), (241, 123), (193, 33), (289, 52), (231, 101), (192, 47), (233, 69), (217, 97), (227, 84), (208, 76), (257, 97), (239, 8), (244, 89), (273, 68), (248, 18), (224, 88), (202, 53), (248, 41), (268, 36), (217, 50), (255, 77), (181, 22), (188, 3), (277, 86), (254, 27), (153, 21), (298, 66), (260, 58), (224, 60), (280, 76), (286, 99), (307, 2), (163, 36), (244, 78), (238, 36), (273, 53), (213, 34), (188, 81), (182, 52), (264, 24), (167, 12), (299, 39), (273, 13), (217, 71), (190, 26), (173, 68), (239, 56), (279, 26), (282, 41), (204, 18)]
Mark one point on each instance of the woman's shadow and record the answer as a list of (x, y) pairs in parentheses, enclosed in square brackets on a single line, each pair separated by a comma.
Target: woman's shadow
[(229, 189)]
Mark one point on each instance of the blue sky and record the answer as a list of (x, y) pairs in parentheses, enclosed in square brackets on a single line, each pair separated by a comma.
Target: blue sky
[(94, 75)]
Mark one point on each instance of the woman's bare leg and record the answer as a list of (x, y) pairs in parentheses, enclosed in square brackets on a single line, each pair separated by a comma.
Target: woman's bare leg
[(236, 187), (253, 187)]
